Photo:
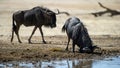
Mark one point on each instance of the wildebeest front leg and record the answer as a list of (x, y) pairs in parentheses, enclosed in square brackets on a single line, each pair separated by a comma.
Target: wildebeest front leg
[(73, 45), (42, 35), (29, 40), (67, 44)]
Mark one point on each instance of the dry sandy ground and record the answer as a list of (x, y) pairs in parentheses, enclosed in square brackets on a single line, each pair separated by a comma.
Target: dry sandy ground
[(104, 31)]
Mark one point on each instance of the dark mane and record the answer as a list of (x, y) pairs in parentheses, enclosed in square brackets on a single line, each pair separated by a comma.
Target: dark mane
[(85, 36), (44, 9)]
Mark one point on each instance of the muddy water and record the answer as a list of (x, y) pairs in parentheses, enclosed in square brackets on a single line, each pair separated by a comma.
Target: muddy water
[(113, 62)]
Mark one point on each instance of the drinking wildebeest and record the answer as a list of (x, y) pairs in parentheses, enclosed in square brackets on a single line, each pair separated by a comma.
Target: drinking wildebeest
[(78, 33), (37, 16)]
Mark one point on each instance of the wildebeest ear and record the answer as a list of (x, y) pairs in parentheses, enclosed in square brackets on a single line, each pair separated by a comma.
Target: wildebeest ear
[(49, 13)]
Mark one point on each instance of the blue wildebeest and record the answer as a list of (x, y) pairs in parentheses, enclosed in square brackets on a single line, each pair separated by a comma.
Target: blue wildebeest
[(78, 33), (37, 16)]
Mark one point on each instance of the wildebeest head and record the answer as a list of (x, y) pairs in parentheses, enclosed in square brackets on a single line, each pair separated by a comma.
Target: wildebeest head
[(49, 17), (89, 49)]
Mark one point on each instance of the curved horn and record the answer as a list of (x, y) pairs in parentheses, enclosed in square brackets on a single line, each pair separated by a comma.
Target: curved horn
[(58, 11), (62, 13)]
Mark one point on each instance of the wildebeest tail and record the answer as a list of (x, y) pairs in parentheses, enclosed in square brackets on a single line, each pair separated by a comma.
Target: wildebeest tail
[(63, 28), (13, 23), (13, 27)]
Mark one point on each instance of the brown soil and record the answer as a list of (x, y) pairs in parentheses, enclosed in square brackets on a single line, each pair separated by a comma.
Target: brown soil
[(55, 48)]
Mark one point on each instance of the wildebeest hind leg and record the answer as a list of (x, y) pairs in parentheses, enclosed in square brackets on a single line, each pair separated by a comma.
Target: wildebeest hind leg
[(17, 33), (42, 35), (67, 44), (12, 35), (29, 40)]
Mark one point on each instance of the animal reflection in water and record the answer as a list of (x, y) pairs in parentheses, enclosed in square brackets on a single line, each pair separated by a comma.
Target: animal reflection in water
[(49, 64), (78, 33), (37, 16)]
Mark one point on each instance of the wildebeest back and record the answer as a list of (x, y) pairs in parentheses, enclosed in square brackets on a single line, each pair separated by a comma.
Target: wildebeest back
[(32, 17)]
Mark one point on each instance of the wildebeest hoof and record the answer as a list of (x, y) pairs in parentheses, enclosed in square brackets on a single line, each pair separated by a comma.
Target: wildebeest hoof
[(20, 42), (66, 49), (30, 42), (44, 42)]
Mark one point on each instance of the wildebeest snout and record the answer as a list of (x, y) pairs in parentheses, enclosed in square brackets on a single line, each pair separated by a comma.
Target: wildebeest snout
[(86, 50)]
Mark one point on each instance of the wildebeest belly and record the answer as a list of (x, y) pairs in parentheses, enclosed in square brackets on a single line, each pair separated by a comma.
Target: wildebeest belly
[(28, 23)]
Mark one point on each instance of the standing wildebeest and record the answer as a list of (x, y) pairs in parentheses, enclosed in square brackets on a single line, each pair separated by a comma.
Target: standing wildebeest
[(37, 17), (78, 33)]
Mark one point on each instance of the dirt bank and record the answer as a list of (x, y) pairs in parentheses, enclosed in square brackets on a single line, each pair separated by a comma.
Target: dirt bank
[(55, 48)]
